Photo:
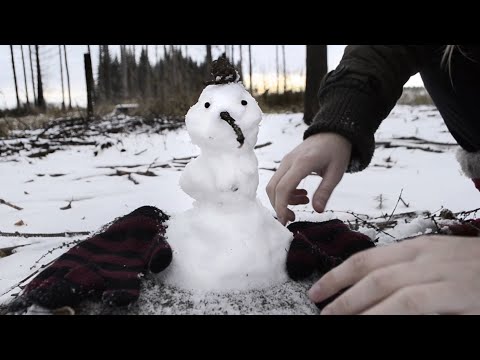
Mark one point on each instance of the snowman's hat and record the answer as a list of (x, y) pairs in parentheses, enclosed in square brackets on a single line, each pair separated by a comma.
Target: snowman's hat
[(223, 72)]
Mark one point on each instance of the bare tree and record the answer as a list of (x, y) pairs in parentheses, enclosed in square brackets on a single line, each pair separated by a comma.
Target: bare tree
[(278, 69), (250, 68), (61, 76), (148, 83), (89, 82), (316, 70), (123, 59), (33, 78), (25, 77), (284, 71), (90, 59), (241, 62), (41, 101), (68, 78), (14, 76), (174, 65)]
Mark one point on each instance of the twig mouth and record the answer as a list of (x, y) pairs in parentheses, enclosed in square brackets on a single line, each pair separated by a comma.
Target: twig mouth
[(224, 115)]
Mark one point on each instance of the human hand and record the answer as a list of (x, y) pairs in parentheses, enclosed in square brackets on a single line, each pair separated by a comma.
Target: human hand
[(326, 154), (424, 275)]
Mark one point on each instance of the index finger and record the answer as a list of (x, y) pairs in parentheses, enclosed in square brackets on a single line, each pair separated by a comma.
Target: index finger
[(285, 187), (272, 184)]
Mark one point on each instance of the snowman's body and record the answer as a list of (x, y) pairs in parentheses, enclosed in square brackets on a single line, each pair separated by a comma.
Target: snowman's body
[(228, 240), (221, 177)]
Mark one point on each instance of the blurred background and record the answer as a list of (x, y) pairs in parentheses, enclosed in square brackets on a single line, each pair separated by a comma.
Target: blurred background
[(161, 80)]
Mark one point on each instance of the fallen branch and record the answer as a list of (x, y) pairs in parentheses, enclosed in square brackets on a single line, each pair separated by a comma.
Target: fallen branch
[(132, 179), (69, 206), (10, 204), (424, 141), (395, 208), (263, 145), (42, 153), (370, 225), (140, 152), (44, 235), (389, 144), (186, 158), (9, 250)]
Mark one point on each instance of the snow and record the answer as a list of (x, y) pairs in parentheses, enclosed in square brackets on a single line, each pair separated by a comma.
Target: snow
[(429, 181), (213, 249)]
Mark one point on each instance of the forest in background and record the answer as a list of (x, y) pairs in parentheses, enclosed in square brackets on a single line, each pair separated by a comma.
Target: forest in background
[(165, 86)]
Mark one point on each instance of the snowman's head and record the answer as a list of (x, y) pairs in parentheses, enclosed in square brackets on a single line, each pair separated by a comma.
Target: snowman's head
[(226, 116)]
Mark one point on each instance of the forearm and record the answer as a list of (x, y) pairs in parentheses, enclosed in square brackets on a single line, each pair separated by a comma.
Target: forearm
[(357, 96)]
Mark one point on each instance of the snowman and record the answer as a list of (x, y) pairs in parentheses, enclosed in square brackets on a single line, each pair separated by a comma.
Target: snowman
[(228, 240)]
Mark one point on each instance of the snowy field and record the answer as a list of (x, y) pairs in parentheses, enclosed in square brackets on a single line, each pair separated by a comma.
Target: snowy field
[(426, 170)]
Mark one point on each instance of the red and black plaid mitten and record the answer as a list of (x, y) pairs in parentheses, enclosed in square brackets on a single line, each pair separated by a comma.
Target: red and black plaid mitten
[(467, 228), (476, 182), (321, 247), (108, 265)]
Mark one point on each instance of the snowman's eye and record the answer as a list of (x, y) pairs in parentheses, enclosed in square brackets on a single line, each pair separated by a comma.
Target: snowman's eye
[(207, 105), (244, 102)]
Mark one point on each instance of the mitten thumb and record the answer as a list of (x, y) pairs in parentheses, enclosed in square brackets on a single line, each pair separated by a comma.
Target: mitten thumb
[(161, 255)]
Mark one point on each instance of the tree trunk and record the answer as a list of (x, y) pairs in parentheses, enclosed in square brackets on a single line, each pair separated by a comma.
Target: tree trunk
[(278, 69), (316, 70), (284, 71), (14, 76), (250, 67), (89, 80), (25, 77), (174, 66), (209, 55), (93, 88), (61, 76), (241, 63), (123, 59), (33, 78), (68, 78), (41, 101), (148, 80), (208, 60), (108, 79)]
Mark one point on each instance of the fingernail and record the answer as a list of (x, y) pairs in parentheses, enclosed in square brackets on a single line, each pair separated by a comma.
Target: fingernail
[(318, 206)]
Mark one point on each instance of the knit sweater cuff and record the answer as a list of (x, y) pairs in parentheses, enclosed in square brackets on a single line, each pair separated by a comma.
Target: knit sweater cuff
[(344, 111), (470, 163)]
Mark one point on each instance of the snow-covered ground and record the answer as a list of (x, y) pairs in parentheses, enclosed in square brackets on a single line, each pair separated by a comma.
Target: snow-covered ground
[(430, 180)]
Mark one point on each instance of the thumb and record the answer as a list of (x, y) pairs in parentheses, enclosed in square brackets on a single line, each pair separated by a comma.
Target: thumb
[(325, 189), (161, 256)]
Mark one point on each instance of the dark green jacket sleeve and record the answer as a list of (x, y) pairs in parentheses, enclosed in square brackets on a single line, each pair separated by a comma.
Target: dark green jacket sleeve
[(360, 93)]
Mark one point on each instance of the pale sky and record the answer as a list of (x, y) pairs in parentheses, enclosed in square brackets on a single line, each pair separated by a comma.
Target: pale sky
[(264, 68)]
